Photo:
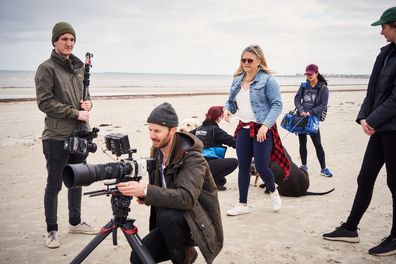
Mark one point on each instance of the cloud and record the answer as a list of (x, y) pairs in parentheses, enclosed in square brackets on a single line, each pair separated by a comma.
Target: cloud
[(185, 36)]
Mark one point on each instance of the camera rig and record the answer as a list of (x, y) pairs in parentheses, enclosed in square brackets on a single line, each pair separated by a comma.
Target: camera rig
[(75, 175), (81, 141)]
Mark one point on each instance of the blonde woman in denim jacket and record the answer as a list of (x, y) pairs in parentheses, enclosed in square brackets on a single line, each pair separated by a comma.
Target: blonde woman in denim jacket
[(255, 97)]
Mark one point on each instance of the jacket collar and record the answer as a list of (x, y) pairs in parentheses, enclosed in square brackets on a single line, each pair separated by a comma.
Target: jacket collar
[(256, 77), (71, 64)]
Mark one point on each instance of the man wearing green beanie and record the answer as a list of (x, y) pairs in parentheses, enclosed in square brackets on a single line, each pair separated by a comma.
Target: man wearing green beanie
[(377, 117), (59, 92)]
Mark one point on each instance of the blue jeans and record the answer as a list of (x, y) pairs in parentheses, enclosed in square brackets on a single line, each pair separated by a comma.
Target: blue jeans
[(246, 148), (57, 158)]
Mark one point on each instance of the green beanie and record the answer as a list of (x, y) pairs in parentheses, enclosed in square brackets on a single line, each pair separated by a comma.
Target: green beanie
[(60, 29)]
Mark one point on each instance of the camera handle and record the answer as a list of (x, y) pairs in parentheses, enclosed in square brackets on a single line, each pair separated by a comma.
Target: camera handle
[(87, 66), (120, 205)]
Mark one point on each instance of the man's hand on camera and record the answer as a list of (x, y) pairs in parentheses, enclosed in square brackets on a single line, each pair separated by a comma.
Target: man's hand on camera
[(83, 116), (132, 188), (86, 105)]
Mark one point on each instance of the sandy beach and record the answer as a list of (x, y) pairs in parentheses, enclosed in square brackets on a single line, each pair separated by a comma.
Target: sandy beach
[(294, 235)]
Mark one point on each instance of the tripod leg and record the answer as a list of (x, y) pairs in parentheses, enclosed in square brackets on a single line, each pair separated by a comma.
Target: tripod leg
[(130, 232), (104, 232)]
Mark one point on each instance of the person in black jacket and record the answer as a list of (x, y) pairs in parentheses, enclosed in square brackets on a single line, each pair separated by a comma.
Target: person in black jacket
[(214, 138), (377, 117)]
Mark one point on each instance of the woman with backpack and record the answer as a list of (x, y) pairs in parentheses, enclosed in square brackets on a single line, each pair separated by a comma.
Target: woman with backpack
[(311, 99)]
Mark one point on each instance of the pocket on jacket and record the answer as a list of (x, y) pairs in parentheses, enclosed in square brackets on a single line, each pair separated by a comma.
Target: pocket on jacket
[(205, 225), (51, 123)]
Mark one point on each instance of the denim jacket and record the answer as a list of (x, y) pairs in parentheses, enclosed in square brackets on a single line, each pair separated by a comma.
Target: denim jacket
[(265, 98)]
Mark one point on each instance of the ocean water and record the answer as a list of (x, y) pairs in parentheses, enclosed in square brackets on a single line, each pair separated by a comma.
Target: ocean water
[(20, 84)]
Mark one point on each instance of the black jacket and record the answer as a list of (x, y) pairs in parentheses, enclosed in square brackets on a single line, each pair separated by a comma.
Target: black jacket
[(379, 105), (212, 135)]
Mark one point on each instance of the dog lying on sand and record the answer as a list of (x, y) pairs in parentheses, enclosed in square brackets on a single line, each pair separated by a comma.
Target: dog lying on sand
[(297, 183)]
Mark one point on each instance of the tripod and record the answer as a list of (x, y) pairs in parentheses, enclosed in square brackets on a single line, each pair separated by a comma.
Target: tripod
[(120, 206)]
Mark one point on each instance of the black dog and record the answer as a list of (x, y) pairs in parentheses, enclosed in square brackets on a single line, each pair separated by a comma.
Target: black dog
[(296, 184)]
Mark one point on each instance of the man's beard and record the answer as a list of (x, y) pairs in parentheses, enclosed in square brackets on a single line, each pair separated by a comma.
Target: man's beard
[(165, 143)]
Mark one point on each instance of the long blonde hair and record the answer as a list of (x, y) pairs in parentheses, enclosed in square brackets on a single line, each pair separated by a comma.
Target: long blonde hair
[(256, 50)]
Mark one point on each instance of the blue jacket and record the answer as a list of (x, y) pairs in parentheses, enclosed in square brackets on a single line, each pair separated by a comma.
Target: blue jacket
[(265, 97)]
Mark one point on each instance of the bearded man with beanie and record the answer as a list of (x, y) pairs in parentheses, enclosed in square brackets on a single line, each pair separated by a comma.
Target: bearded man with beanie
[(185, 210), (59, 92)]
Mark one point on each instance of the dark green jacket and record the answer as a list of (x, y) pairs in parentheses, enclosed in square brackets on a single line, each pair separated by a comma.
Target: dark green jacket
[(59, 89), (190, 187)]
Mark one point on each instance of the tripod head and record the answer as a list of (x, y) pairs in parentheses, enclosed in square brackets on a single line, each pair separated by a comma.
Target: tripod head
[(119, 202)]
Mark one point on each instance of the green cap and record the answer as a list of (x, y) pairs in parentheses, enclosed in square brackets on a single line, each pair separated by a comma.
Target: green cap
[(388, 16), (60, 29)]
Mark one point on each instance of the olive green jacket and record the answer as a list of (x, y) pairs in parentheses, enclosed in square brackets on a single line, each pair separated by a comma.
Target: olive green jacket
[(59, 89), (190, 187)]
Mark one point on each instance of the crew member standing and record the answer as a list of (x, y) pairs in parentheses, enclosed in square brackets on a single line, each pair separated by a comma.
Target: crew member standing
[(59, 91)]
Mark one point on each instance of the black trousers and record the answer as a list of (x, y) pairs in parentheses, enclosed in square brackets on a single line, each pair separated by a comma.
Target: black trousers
[(220, 168), (380, 149), (169, 240), (57, 158), (302, 138)]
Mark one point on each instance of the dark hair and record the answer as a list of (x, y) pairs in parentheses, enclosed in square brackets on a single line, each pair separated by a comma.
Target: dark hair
[(391, 23), (214, 113), (321, 78)]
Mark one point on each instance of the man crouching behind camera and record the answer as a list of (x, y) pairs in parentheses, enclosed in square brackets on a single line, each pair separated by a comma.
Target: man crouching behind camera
[(183, 196)]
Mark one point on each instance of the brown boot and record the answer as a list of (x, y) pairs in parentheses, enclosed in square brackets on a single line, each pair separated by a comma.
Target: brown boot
[(191, 255)]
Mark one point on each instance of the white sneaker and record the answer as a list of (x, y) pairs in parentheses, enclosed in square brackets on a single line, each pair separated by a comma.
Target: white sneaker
[(52, 240), (238, 209), (276, 200), (83, 228)]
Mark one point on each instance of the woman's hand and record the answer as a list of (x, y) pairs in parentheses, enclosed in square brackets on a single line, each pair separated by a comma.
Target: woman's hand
[(262, 133), (227, 115), (367, 129)]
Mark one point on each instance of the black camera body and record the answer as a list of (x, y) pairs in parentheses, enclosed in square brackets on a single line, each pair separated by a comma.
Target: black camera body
[(81, 142), (129, 169)]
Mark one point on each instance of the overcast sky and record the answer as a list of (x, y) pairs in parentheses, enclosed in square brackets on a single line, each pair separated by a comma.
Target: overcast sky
[(200, 37)]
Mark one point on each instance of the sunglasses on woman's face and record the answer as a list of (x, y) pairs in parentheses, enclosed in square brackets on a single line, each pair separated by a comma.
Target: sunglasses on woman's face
[(248, 61)]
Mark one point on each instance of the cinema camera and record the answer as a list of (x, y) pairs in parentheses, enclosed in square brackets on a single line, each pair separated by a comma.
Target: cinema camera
[(76, 175)]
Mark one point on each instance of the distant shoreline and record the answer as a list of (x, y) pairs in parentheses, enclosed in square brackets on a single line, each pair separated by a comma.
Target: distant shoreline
[(152, 95)]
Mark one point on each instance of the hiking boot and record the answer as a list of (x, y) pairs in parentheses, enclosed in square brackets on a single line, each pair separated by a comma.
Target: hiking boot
[(52, 240), (275, 200), (304, 168), (191, 255), (326, 172), (386, 248), (238, 210), (83, 228), (341, 234)]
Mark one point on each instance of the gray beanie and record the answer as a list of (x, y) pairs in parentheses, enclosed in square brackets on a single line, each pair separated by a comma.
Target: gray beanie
[(60, 29), (164, 115)]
